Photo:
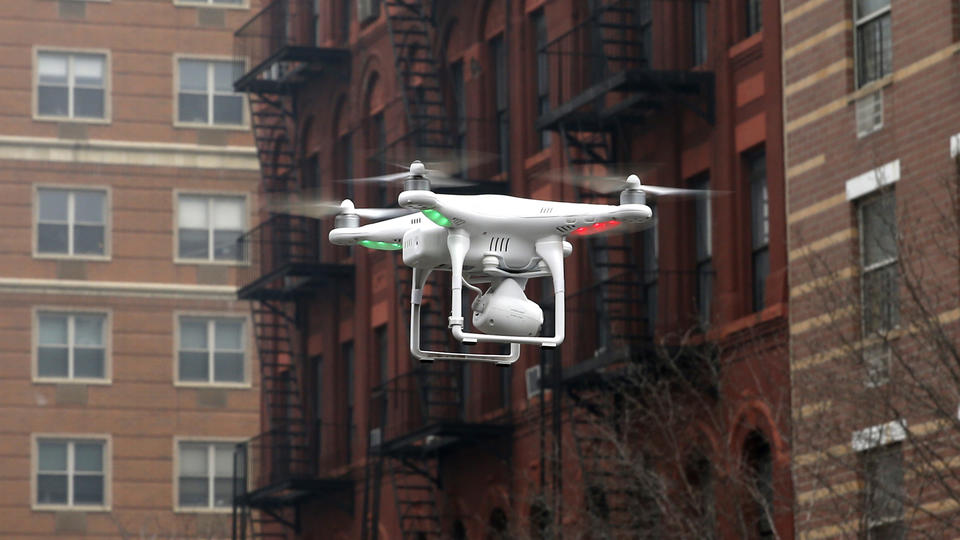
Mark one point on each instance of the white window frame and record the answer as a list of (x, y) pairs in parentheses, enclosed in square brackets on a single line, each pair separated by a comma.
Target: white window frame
[(72, 312), (243, 4), (244, 124), (876, 266), (209, 442), (70, 438), (244, 260), (246, 340), (874, 438), (107, 222), (858, 21), (107, 85)]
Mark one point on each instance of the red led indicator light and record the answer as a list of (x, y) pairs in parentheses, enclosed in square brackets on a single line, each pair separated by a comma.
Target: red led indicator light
[(595, 228)]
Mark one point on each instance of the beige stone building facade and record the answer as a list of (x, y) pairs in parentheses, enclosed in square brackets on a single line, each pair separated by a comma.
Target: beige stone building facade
[(127, 174)]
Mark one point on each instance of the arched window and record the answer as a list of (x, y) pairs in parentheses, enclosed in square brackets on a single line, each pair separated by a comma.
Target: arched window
[(699, 475), (539, 521), (758, 468), (375, 136)]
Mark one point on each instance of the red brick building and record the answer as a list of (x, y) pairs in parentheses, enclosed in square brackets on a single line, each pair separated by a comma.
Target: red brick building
[(361, 442), (870, 130), (127, 172)]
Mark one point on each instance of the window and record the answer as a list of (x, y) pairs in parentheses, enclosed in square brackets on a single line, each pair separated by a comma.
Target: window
[(343, 19), (645, 23), (346, 162), (460, 108), (209, 227), (214, 3), (703, 242), (759, 461), (872, 39), (211, 351), (383, 352), (880, 283), (498, 53), (377, 138), (205, 93), (754, 21), (539, 23), (318, 402), (699, 477), (71, 222), (883, 491), (71, 85), (205, 475), (759, 225), (367, 10), (71, 472), (651, 271), (346, 356), (698, 31), (71, 346)]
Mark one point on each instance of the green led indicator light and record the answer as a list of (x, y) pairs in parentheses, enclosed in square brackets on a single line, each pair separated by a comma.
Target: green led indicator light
[(436, 217), (383, 246)]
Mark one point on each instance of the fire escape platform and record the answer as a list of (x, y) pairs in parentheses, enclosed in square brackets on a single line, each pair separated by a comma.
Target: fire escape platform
[(442, 436), (312, 59), (293, 279), (294, 491), (646, 90)]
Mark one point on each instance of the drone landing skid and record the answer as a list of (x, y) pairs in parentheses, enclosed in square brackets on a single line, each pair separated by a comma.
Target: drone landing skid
[(419, 281)]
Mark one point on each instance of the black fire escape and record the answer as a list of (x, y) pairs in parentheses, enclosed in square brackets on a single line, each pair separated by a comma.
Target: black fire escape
[(290, 462), (419, 417), (607, 86)]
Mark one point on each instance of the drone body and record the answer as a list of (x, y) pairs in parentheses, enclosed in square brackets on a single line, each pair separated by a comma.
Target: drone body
[(498, 240)]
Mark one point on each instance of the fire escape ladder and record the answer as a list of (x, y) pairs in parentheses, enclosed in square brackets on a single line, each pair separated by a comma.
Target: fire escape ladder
[(276, 148), (418, 75), (616, 281), (415, 489), (611, 494)]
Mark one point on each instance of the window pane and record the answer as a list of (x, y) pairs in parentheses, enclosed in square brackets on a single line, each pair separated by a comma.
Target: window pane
[(881, 299), (53, 329), (193, 459), (193, 334), (225, 245), (879, 230), (874, 50), (88, 329), (52, 101), (88, 457), (194, 366), (223, 492), (51, 489), (88, 70), (88, 206), (193, 108), (223, 460), (88, 103), (52, 68), (761, 269), (52, 238), (229, 335), (52, 204), (228, 214), (193, 491), (52, 456), (192, 212), (88, 239), (194, 244), (193, 75), (223, 76), (234, 2), (52, 362), (228, 110), (228, 367), (88, 363), (88, 489), (866, 7)]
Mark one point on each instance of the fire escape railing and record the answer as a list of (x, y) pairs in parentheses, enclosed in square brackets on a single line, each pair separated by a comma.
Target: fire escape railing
[(279, 29), (413, 401), (276, 245)]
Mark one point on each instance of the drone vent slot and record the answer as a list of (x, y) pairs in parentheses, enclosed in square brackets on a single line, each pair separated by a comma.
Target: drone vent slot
[(415, 221), (563, 229), (546, 210), (456, 222), (499, 243)]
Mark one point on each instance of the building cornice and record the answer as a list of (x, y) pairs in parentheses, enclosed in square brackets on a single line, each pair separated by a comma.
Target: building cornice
[(143, 154), (117, 288)]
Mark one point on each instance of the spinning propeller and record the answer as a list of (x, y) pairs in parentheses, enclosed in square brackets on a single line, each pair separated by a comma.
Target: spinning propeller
[(624, 183)]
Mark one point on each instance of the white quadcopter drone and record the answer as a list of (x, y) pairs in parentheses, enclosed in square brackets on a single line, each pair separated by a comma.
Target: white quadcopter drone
[(498, 240)]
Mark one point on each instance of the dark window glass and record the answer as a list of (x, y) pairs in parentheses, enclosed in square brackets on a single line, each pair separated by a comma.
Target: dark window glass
[(498, 53), (754, 16)]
